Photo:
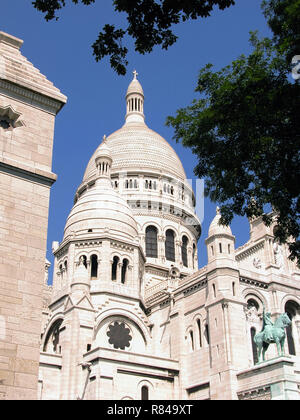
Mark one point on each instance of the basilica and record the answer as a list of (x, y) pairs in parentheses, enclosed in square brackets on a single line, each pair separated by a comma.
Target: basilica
[(130, 315)]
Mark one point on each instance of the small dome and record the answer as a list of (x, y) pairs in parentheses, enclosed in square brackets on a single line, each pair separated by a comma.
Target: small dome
[(101, 210), (103, 150), (215, 228), (135, 86)]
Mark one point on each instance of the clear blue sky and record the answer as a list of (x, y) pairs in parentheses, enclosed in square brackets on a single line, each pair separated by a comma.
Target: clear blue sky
[(61, 50)]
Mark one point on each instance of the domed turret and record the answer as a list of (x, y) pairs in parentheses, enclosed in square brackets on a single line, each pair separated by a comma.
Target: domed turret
[(220, 241), (100, 208), (103, 159), (215, 226)]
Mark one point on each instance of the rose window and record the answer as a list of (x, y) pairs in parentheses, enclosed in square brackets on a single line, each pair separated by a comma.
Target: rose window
[(119, 335)]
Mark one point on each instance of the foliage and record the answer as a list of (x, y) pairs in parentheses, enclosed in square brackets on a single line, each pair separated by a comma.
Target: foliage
[(283, 19), (244, 130), (149, 24)]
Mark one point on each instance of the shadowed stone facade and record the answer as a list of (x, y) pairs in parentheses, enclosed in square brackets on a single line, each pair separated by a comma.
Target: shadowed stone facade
[(28, 106)]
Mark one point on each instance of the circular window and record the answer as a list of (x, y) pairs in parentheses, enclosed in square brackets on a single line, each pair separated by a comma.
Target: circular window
[(119, 335)]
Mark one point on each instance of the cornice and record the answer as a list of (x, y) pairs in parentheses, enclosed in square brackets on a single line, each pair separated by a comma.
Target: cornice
[(253, 282), (34, 98), (248, 249), (27, 172)]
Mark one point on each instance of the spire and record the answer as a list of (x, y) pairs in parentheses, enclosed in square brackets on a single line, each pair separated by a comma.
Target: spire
[(134, 101)]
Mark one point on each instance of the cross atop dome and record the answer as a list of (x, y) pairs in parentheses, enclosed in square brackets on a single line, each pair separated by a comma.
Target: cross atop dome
[(135, 73)]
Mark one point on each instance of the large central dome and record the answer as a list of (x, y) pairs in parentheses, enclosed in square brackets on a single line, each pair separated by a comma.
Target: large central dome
[(135, 146)]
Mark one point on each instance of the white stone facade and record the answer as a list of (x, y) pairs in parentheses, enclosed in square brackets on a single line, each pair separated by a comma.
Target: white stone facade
[(131, 316)]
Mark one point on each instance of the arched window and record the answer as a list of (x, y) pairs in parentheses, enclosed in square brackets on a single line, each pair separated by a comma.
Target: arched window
[(145, 393), (199, 332), (52, 344), (94, 266), (114, 268), (184, 254), (254, 348), (252, 303), (151, 242), (192, 340), (170, 245), (61, 271), (206, 334), (83, 259), (124, 270), (194, 254), (214, 290), (291, 310)]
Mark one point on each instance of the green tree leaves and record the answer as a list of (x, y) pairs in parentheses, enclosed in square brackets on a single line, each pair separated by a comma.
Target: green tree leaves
[(244, 130)]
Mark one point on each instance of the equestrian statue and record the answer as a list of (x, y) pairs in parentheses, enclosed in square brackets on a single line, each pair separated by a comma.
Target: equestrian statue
[(271, 333)]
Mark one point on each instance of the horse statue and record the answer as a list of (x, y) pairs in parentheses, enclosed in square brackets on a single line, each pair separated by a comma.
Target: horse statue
[(271, 333)]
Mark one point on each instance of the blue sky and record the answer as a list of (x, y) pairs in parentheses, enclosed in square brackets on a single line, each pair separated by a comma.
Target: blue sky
[(61, 50)]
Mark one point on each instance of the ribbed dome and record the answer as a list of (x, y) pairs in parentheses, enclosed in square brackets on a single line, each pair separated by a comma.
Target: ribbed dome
[(137, 147), (215, 228), (103, 210)]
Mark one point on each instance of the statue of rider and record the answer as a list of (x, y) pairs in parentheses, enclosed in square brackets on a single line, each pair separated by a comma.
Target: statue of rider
[(267, 326)]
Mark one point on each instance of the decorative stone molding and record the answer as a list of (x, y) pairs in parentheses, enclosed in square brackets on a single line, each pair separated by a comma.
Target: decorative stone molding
[(21, 170), (45, 102), (88, 244), (253, 282), (262, 393), (120, 245), (195, 287), (156, 272), (62, 252), (257, 263), (244, 251)]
